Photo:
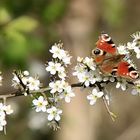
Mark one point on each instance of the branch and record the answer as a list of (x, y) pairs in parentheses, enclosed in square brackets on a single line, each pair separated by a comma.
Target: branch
[(21, 93)]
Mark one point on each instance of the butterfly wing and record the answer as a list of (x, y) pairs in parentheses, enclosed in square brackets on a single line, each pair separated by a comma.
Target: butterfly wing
[(109, 61), (104, 47), (110, 64), (119, 69), (106, 44), (124, 69)]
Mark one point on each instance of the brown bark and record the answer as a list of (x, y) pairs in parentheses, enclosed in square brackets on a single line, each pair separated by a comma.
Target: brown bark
[(76, 30)]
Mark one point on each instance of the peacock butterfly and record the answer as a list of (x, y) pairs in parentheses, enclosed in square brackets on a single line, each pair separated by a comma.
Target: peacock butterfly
[(110, 61)]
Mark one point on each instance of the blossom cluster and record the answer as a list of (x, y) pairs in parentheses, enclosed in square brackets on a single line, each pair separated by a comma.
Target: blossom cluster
[(87, 71), (57, 67), (88, 74), (41, 104), (58, 87), (24, 80), (61, 59), (4, 110), (131, 47)]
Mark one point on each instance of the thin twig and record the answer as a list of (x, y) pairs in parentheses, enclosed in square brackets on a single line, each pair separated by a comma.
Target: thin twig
[(112, 115)]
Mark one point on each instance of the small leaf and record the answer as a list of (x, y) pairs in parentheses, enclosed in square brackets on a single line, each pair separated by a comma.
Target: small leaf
[(23, 23), (4, 15)]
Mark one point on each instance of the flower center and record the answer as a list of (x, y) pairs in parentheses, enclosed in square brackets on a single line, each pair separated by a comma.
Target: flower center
[(40, 104)]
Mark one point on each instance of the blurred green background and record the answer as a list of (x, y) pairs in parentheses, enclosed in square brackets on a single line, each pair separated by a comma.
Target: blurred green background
[(28, 28)]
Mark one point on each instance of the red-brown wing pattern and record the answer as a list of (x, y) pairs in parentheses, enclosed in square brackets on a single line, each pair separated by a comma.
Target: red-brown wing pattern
[(126, 70), (109, 61), (104, 47), (106, 44)]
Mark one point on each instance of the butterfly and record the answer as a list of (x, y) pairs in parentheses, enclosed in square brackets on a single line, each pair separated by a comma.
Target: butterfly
[(110, 62)]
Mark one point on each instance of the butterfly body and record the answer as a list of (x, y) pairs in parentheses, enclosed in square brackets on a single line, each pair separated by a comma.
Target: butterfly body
[(109, 61)]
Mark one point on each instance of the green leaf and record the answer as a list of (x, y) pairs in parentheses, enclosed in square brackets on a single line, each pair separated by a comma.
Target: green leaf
[(15, 53), (14, 35), (23, 23), (4, 15)]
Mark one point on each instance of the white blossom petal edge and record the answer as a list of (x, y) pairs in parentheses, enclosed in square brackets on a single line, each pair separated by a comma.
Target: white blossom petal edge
[(54, 113), (94, 96), (40, 104)]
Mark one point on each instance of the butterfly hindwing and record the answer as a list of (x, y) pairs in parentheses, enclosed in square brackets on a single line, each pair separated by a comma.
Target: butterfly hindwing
[(126, 70)]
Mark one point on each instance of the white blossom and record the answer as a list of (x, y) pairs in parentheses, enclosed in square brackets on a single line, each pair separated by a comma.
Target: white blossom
[(95, 76), (131, 45), (86, 71), (94, 96), (56, 86), (25, 80), (62, 75), (26, 73), (85, 78), (136, 88), (56, 51), (59, 53), (122, 83), (90, 63), (68, 93), (61, 72), (33, 83), (4, 110), (53, 67), (30, 82), (2, 107), (40, 104), (79, 59), (66, 58), (89, 77), (122, 49), (137, 51), (136, 36), (79, 70), (54, 113), (15, 81), (8, 109), (109, 78)]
